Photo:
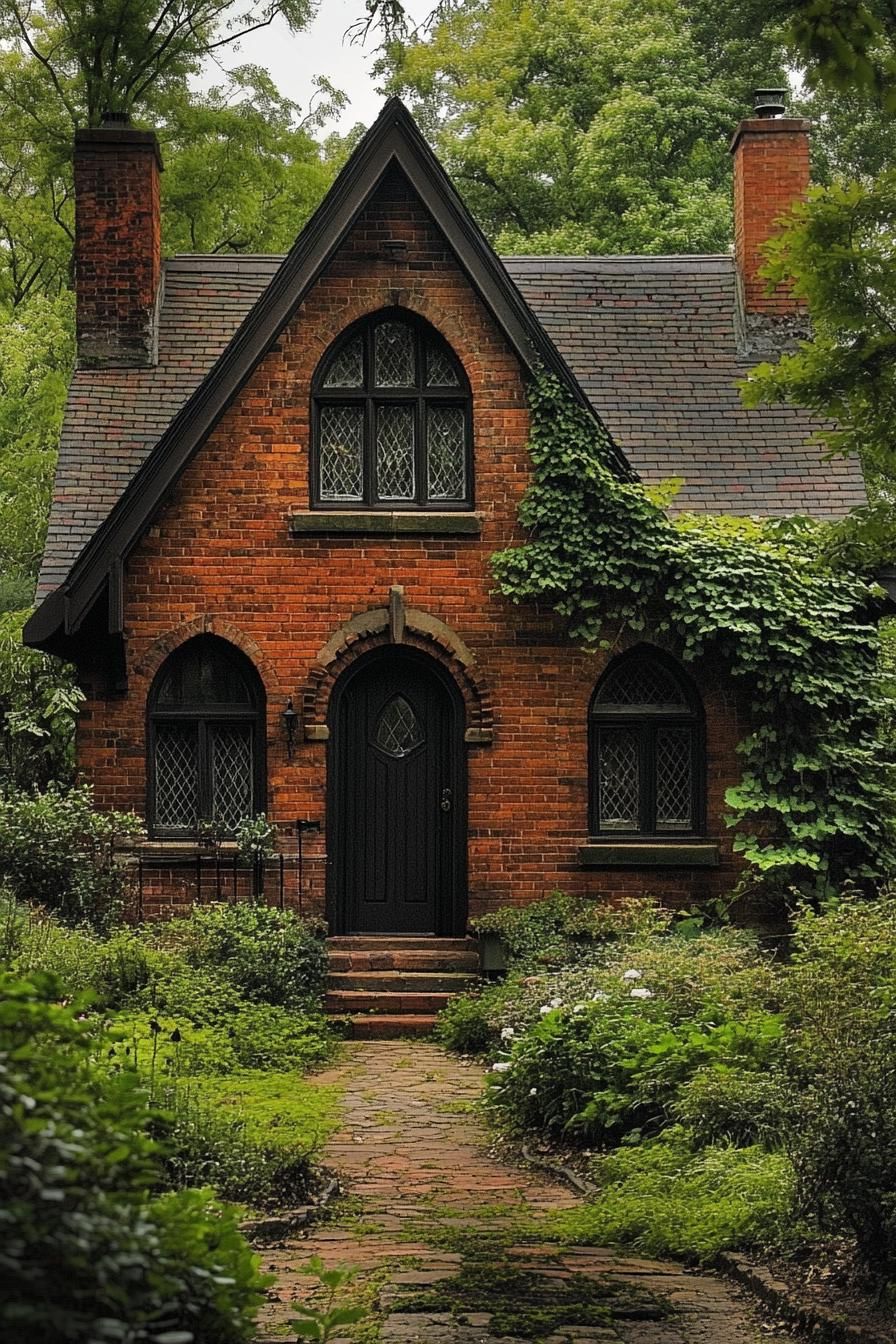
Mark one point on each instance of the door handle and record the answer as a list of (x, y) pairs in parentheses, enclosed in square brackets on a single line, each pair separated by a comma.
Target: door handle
[(446, 800)]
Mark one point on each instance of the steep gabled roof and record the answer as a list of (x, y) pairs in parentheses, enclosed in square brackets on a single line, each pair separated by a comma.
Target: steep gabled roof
[(394, 139)]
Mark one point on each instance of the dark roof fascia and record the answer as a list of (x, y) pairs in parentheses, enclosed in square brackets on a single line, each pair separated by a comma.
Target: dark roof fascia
[(393, 138)]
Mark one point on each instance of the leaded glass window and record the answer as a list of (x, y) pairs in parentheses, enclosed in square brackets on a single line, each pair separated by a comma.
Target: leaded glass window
[(392, 420), (398, 731), (646, 743), (206, 715)]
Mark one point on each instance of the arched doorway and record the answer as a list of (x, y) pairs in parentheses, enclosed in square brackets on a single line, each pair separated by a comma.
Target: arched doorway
[(396, 810)]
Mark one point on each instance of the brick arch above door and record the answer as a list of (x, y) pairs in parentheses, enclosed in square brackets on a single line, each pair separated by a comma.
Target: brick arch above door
[(396, 624)]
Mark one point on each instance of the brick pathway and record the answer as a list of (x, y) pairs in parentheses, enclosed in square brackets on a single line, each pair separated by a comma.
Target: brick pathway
[(426, 1203)]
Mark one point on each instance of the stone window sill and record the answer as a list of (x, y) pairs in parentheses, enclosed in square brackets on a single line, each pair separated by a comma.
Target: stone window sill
[(166, 851), (648, 854), (357, 522)]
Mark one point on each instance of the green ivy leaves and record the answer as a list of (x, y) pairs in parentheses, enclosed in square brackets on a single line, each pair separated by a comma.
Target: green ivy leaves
[(792, 626)]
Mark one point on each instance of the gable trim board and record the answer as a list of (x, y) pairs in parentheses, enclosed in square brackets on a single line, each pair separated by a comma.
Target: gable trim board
[(392, 140)]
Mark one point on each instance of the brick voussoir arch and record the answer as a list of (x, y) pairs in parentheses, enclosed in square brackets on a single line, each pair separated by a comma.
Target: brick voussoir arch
[(152, 660), (409, 628)]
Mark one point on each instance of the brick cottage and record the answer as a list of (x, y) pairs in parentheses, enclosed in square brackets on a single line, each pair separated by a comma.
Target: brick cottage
[(279, 487)]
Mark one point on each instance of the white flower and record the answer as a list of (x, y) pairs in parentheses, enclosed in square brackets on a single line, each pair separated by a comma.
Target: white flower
[(579, 1008), (501, 1067), (533, 1091), (599, 996), (545, 1009), (507, 1033), (632, 975), (641, 994), (556, 1003)]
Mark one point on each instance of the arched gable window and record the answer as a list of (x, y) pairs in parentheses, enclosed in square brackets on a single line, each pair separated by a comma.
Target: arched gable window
[(392, 420), (646, 750), (206, 739)]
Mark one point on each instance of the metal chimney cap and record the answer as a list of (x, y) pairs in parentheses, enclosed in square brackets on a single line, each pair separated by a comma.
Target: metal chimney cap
[(770, 102)]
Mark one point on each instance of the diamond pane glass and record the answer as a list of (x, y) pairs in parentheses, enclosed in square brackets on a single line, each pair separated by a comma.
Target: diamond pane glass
[(446, 452), (341, 452), (398, 731), (177, 791), (674, 783), (441, 370), (347, 366), (395, 363), (395, 452), (641, 682), (619, 784), (231, 751)]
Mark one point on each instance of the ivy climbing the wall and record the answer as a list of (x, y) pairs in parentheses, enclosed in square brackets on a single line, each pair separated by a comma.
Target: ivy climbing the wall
[(761, 600)]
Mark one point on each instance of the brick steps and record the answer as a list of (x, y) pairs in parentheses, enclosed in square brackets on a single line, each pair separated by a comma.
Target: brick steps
[(383, 988), (386, 1026), (402, 981)]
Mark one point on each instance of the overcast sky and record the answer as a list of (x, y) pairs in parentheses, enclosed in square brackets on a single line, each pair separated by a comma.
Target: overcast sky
[(323, 49)]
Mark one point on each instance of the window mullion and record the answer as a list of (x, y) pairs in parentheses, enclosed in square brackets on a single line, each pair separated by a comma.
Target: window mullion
[(204, 766), (648, 779)]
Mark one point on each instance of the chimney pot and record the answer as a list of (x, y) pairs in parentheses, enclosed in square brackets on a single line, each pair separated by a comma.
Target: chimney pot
[(770, 102)]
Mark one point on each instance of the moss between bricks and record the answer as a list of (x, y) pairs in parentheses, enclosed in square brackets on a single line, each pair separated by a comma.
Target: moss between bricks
[(526, 1304)]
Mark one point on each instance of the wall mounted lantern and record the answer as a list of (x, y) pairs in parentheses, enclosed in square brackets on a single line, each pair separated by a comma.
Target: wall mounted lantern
[(290, 724)]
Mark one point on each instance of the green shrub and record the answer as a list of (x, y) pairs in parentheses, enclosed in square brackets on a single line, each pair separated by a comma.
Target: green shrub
[(730, 1105), (840, 992), (667, 1199), (57, 851), (609, 1070), (254, 1036), (32, 940), (208, 1146), (269, 956), (86, 1252), (558, 929), (465, 1025)]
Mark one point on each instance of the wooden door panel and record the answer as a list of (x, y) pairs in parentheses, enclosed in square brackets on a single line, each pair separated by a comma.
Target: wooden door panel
[(396, 748)]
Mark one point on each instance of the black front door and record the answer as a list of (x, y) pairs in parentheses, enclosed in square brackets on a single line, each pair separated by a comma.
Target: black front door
[(396, 816)]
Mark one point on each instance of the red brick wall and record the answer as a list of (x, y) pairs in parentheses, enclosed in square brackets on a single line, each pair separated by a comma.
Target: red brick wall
[(118, 249), (220, 558), (771, 173)]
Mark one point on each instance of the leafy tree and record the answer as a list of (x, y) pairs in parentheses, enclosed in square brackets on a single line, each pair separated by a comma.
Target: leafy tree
[(595, 127), (123, 55), (242, 170), (36, 356), (839, 250), (39, 700)]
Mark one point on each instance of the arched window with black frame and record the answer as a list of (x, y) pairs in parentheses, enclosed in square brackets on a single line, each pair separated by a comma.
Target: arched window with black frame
[(206, 740), (392, 421), (647, 754)]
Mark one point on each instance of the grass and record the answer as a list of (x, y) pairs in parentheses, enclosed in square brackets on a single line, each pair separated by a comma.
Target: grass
[(283, 1107)]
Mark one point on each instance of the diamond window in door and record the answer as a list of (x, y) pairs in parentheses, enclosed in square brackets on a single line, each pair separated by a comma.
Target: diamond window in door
[(398, 731), (392, 421)]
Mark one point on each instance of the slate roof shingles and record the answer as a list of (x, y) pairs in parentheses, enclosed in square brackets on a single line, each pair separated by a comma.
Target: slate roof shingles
[(651, 340)]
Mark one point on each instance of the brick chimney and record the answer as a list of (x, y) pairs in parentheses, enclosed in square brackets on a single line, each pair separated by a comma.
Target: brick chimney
[(771, 173), (118, 246)]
